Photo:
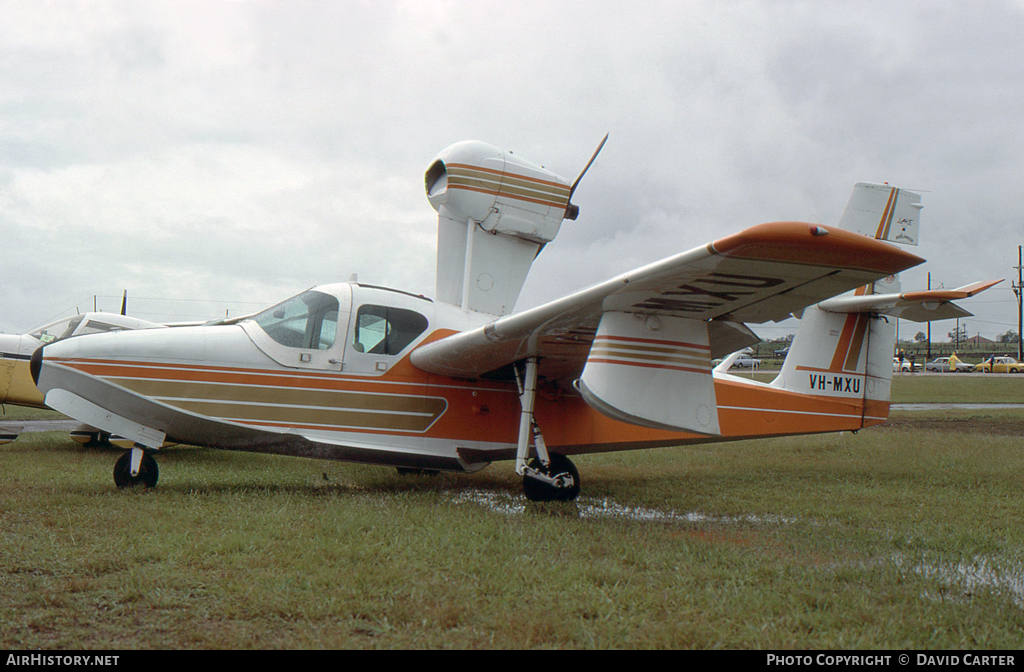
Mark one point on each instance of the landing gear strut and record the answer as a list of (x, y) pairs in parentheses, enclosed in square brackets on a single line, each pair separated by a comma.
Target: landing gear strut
[(135, 467), (549, 476)]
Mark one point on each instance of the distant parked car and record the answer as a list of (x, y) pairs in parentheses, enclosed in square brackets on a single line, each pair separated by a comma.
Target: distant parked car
[(746, 362), (905, 366), (781, 353), (1003, 365), (941, 365)]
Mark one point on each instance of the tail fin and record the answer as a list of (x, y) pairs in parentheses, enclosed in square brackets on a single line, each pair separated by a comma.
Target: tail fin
[(840, 355), (883, 213)]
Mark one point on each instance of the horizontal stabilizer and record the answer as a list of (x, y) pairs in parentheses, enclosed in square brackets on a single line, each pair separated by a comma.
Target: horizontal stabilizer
[(923, 306)]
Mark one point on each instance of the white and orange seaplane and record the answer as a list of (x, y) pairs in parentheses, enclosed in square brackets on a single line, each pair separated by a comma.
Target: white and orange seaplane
[(367, 374)]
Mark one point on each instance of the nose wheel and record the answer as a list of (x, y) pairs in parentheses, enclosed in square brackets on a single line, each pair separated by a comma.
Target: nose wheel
[(135, 467)]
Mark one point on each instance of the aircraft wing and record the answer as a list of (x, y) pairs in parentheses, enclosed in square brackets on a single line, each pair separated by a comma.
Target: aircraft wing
[(764, 273), (922, 306)]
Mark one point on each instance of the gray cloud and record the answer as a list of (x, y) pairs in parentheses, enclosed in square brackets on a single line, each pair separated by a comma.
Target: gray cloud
[(239, 152)]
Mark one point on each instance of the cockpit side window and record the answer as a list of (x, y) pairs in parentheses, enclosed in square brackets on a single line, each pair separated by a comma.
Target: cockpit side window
[(382, 330), (309, 321)]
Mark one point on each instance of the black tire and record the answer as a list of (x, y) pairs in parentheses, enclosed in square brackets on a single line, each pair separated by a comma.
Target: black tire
[(539, 491), (148, 471), (412, 471)]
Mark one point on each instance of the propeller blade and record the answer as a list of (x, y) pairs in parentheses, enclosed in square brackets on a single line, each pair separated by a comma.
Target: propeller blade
[(124, 303), (573, 211)]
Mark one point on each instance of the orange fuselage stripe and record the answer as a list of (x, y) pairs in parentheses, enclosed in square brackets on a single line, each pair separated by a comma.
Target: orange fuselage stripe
[(488, 412)]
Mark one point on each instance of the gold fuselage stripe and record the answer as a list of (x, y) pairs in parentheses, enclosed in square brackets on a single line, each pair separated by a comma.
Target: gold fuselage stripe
[(240, 403)]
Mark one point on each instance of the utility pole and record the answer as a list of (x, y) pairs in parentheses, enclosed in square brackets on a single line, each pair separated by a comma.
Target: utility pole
[(929, 357), (1018, 289)]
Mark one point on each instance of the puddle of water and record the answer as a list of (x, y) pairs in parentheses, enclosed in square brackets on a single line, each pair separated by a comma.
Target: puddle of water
[(595, 509), (980, 573)]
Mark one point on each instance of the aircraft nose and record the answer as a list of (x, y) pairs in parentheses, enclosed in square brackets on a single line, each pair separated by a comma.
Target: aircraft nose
[(36, 363)]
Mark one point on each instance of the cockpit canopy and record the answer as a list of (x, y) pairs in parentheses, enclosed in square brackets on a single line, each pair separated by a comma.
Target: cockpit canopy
[(88, 323), (358, 328)]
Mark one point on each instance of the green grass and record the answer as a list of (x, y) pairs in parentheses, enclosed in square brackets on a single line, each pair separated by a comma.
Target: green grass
[(891, 538), (951, 388), (958, 388), (837, 541), (10, 413)]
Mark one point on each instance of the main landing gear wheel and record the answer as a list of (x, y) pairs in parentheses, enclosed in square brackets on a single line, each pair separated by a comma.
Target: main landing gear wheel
[(412, 471), (566, 485), (147, 476)]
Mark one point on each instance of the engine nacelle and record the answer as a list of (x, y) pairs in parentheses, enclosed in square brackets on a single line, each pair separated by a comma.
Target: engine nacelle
[(495, 213), (497, 190)]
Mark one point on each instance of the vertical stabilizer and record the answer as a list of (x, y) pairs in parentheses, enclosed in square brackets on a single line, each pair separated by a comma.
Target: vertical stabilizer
[(883, 212), (843, 356)]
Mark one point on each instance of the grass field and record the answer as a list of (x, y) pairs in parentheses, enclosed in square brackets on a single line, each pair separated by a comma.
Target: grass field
[(958, 388), (896, 537), (13, 413)]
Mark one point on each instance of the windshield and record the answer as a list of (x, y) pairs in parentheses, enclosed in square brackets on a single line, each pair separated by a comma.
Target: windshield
[(309, 321), (57, 330)]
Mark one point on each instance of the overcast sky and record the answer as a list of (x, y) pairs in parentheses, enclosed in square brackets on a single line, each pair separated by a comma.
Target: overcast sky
[(214, 156)]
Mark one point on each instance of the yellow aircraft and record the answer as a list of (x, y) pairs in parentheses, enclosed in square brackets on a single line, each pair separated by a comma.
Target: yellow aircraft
[(369, 374), (16, 385)]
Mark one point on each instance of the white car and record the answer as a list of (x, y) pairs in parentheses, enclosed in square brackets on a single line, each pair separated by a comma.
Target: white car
[(941, 365), (746, 362), (905, 366)]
